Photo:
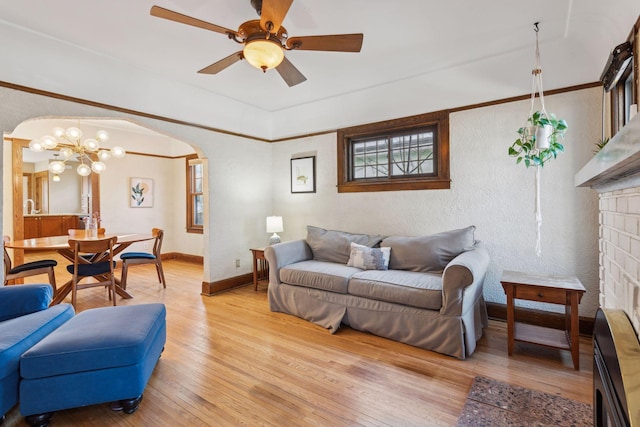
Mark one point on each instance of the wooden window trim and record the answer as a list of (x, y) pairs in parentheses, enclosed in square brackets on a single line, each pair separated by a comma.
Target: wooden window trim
[(441, 181), (191, 227)]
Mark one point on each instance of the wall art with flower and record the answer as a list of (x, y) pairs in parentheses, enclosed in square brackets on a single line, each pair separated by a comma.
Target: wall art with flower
[(141, 192)]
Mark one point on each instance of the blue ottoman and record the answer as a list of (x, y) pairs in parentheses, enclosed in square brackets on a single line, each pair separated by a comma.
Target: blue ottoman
[(101, 355)]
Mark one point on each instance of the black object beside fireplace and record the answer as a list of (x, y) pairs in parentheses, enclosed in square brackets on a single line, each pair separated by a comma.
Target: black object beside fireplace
[(616, 370)]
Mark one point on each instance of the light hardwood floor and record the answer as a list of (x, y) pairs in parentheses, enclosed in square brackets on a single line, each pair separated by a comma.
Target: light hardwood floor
[(230, 361)]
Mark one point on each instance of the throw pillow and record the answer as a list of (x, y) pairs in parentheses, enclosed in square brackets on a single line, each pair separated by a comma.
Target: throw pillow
[(429, 253), (367, 258), (333, 245)]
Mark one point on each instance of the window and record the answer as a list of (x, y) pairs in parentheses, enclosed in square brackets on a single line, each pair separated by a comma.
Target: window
[(404, 154), (195, 196)]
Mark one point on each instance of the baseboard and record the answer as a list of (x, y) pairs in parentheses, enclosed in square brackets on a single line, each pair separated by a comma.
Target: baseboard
[(538, 317), (196, 259), (212, 288)]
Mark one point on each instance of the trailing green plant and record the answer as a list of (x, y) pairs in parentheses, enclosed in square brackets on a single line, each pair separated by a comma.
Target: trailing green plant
[(600, 145), (524, 148)]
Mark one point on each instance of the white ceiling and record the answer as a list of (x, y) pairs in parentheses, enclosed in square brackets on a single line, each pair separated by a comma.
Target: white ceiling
[(417, 56)]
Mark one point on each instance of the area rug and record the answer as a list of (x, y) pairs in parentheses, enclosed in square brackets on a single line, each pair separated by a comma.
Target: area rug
[(496, 404)]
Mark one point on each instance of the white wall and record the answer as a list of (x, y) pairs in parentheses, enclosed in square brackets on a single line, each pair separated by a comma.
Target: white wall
[(488, 190), (118, 216)]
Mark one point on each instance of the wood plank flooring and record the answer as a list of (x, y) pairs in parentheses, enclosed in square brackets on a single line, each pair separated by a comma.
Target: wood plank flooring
[(230, 361)]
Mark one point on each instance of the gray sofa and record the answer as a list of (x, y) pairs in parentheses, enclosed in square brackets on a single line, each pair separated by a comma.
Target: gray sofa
[(425, 291)]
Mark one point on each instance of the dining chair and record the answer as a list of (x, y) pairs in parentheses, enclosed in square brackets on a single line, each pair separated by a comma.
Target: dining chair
[(133, 258), (34, 268), (98, 265)]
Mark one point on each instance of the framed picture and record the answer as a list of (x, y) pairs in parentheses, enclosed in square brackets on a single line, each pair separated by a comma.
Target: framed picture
[(303, 175), (141, 192)]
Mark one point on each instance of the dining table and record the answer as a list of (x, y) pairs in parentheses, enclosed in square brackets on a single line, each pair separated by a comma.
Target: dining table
[(61, 245)]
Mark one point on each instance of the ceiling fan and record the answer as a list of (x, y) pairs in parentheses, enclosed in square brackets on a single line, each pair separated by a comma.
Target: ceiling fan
[(265, 40)]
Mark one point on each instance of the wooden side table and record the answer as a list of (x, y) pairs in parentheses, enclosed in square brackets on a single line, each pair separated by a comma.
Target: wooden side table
[(260, 266), (567, 291)]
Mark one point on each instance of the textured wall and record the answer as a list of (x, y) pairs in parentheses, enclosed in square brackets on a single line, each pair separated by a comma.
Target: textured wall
[(488, 189)]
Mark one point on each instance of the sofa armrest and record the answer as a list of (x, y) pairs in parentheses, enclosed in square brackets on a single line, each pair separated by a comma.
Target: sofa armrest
[(20, 300), (283, 254), (462, 281)]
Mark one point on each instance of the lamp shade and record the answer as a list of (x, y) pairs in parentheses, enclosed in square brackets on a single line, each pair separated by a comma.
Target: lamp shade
[(263, 54), (274, 224)]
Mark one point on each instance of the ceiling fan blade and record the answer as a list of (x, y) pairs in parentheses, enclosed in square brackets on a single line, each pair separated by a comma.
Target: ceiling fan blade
[(216, 67), (289, 73), (333, 43), (274, 11), (161, 12)]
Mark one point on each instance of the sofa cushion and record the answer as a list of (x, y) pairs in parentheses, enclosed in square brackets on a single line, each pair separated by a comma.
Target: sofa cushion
[(422, 290), (334, 246), (327, 276), (428, 253), (367, 258)]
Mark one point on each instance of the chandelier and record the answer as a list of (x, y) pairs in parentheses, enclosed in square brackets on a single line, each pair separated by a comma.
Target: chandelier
[(87, 151)]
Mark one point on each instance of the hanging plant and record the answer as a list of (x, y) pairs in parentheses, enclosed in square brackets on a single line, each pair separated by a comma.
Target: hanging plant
[(538, 142), (539, 139)]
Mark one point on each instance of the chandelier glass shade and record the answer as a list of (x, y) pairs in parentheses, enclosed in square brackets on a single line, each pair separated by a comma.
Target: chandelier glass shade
[(263, 53), (70, 144)]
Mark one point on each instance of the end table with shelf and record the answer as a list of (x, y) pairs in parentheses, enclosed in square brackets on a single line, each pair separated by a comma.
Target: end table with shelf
[(566, 291), (260, 266)]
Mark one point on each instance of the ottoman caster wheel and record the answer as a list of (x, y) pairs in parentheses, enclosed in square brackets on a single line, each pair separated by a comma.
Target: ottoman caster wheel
[(129, 406), (39, 420)]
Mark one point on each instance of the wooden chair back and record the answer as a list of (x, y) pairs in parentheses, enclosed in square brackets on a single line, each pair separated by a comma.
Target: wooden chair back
[(157, 244), (157, 260), (101, 250), (34, 268), (7, 258)]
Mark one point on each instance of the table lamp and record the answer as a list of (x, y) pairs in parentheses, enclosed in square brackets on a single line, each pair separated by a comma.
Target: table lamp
[(274, 225)]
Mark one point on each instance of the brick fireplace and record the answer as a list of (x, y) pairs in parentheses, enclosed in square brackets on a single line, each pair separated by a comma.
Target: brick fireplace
[(620, 251), (615, 174)]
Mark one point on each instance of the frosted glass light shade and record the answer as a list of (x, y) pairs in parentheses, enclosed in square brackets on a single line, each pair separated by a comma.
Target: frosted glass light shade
[(98, 167), (56, 167), (49, 142), (263, 54), (66, 152), (73, 133), (102, 135), (91, 144), (118, 152), (104, 155), (83, 170), (36, 146)]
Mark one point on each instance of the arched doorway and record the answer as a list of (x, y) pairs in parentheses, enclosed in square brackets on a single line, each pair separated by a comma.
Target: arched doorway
[(150, 155)]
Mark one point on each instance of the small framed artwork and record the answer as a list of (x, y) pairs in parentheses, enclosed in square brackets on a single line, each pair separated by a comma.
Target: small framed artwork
[(141, 192), (303, 175)]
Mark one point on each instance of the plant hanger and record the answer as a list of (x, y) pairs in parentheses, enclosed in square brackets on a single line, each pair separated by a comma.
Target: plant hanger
[(539, 139)]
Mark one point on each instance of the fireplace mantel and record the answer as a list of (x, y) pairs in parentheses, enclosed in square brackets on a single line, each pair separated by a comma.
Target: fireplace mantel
[(617, 163)]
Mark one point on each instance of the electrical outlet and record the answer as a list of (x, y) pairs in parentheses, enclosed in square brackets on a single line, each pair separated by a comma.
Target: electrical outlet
[(237, 263)]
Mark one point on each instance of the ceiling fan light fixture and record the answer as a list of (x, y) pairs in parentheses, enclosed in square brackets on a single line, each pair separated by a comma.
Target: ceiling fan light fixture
[(263, 54)]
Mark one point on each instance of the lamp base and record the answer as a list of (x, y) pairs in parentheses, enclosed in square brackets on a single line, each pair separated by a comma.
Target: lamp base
[(274, 239)]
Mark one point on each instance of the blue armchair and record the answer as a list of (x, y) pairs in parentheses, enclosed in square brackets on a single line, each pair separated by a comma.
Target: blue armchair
[(25, 319)]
